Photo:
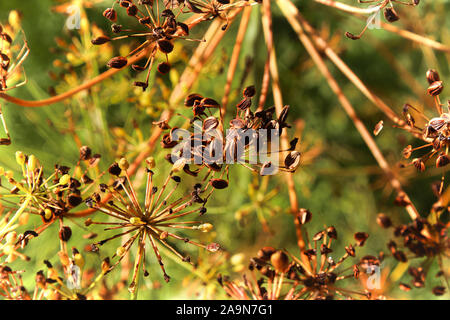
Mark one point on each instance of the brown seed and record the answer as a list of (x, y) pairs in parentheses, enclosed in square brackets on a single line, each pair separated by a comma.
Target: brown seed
[(219, 183), (265, 253), (184, 27), (384, 221), (163, 67), (332, 233), (432, 76), (442, 160), (249, 92), (192, 99), (404, 287), (132, 10), (85, 153), (210, 123), (100, 40), (419, 164), (280, 261), (110, 14), (400, 256), (438, 291), (74, 200), (407, 152), (304, 216), (114, 169), (165, 46), (361, 238), (292, 160), (378, 128), (391, 15), (435, 88), (350, 250), (117, 62), (65, 233)]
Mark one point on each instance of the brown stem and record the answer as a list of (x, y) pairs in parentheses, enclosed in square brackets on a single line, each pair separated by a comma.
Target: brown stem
[(278, 98), (292, 15), (235, 58)]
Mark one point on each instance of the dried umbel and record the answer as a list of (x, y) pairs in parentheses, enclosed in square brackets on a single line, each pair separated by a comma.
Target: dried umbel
[(11, 284), (422, 239), (72, 286), (435, 132), (12, 57), (315, 275), (387, 7), (50, 197), (250, 139), (156, 26), (159, 219)]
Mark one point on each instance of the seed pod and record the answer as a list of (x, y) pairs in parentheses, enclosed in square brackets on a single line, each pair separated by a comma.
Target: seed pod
[(350, 250), (117, 62), (280, 261), (145, 20), (404, 287), (249, 92), (114, 169), (132, 10), (391, 15), (384, 221), (85, 153), (164, 67), (74, 200), (123, 164), (265, 253), (439, 291), (304, 216), (116, 28), (400, 256), (407, 152), (361, 238), (210, 123), (435, 88), (223, 1), (432, 76), (165, 46), (110, 14), (332, 233), (192, 99), (219, 183), (378, 128), (65, 233), (442, 160), (352, 36), (292, 160), (419, 164), (124, 3), (100, 40), (184, 27)]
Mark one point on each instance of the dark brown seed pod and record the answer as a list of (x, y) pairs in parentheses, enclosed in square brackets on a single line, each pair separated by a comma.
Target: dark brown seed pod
[(184, 27), (244, 104), (280, 261), (361, 238), (85, 153), (165, 46), (116, 28), (265, 253), (391, 15), (132, 10), (74, 200), (432, 76), (249, 92), (419, 164), (442, 160), (192, 99), (292, 160), (145, 20), (400, 256), (332, 233), (100, 40), (304, 216), (407, 152), (219, 183), (318, 236), (352, 36), (110, 14), (124, 3), (439, 291), (117, 62), (209, 103), (164, 67), (223, 1), (350, 250), (114, 169), (384, 221), (137, 68), (65, 233), (435, 88), (143, 85)]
